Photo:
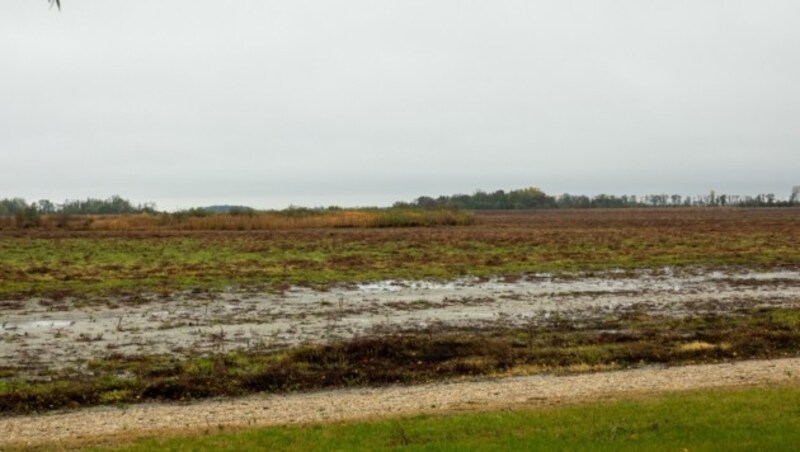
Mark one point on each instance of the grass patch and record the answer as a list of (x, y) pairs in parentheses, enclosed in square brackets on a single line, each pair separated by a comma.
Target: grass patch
[(749, 419)]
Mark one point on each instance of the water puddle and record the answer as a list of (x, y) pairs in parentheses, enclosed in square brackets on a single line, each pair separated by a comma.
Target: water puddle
[(231, 320), (37, 325)]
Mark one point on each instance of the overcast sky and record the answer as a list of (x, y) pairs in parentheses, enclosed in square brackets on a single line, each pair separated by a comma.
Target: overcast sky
[(271, 103)]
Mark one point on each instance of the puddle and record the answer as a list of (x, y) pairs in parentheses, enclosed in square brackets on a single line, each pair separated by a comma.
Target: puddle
[(396, 286), (765, 276), (37, 324), (48, 324), (231, 320)]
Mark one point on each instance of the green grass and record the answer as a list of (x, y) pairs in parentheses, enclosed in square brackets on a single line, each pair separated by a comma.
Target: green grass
[(749, 419), (101, 265)]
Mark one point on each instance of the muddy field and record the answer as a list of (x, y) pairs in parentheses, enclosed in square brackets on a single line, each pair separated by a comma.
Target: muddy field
[(98, 266), (98, 318), (35, 336)]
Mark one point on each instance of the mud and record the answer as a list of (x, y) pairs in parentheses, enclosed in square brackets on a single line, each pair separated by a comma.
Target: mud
[(38, 335)]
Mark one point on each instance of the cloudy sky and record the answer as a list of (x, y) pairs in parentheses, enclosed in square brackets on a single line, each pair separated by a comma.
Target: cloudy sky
[(271, 103)]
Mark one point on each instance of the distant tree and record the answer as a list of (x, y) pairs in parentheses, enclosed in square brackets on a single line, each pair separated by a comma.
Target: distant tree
[(46, 207), (242, 211), (426, 202), (12, 206), (460, 201), (530, 198), (55, 2), (567, 201), (480, 200), (28, 217), (534, 198)]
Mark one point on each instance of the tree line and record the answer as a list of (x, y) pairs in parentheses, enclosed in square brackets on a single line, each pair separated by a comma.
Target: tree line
[(534, 198), (29, 214), (525, 198)]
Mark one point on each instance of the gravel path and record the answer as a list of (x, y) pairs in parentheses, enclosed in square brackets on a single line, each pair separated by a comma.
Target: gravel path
[(104, 424)]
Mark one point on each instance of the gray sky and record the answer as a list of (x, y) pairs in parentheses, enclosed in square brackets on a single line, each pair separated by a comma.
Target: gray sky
[(267, 103)]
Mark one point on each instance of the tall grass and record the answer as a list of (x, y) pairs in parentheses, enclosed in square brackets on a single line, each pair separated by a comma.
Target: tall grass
[(198, 220)]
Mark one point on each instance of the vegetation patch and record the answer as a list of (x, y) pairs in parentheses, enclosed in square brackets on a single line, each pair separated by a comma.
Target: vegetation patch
[(238, 220)]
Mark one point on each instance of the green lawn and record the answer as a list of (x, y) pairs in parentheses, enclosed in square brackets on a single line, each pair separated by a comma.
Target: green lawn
[(749, 419)]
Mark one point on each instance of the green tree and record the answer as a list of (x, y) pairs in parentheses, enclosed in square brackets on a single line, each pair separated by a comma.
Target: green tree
[(46, 207)]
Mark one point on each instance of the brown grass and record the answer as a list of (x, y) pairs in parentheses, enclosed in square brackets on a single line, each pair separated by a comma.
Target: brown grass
[(254, 221), (224, 222), (58, 262)]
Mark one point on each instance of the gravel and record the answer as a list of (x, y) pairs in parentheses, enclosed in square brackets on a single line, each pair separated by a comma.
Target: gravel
[(105, 424)]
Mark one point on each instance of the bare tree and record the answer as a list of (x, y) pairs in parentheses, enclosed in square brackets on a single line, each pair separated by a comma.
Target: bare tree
[(55, 2)]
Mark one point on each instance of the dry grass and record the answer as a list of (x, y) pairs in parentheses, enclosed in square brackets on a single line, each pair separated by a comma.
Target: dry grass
[(224, 222), (255, 221), (699, 346)]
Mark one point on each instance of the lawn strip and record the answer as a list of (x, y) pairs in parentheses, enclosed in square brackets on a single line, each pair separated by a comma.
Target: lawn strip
[(756, 418)]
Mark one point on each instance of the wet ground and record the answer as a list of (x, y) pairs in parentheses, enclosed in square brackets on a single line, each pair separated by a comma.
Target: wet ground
[(37, 334)]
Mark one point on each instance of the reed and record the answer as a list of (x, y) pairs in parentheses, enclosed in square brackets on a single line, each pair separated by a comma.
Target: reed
[(198, 220)]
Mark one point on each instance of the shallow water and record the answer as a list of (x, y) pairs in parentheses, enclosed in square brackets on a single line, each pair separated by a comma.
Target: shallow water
[(34, 336), (37, 325)]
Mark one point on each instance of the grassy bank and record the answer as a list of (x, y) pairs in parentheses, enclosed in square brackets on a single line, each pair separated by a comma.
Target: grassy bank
[(749, 419), (56, 264), (413, 357)]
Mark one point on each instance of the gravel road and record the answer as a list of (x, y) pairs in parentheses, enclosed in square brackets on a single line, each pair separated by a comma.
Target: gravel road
[(106, 423)]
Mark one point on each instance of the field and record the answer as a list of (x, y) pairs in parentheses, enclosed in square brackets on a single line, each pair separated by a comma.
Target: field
[(122, 315), (97, 264)]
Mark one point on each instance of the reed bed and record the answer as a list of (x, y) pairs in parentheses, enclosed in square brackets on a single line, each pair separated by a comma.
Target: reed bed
[(253, 221)]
